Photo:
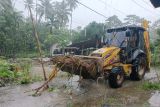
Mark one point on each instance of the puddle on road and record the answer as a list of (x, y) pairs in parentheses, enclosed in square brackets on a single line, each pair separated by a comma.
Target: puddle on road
[(71, 94), (15, 97), (155, 99)]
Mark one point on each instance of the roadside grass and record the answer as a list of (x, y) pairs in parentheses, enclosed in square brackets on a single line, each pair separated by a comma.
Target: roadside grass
[(24, 76), (151, 86), (36, 78)]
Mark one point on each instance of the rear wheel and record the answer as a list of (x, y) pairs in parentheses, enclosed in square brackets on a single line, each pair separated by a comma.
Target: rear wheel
[(116, 77), (138, 69)]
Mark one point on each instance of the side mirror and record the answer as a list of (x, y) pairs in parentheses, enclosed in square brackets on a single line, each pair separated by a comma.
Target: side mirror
[(128, 33)]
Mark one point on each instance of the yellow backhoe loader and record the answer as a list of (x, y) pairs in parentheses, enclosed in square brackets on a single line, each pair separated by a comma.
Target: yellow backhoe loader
[(126, 53)]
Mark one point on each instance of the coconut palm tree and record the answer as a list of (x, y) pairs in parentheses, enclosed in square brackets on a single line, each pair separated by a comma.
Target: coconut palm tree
[(45, 8), (57, 13), (72, 4), (62, 12), (10, 20), (6, 4)]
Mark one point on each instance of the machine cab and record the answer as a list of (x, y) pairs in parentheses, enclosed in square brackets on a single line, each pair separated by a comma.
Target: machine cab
[(129, 39)]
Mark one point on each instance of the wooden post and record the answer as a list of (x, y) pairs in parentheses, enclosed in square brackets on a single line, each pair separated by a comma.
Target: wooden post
[(38, 42)]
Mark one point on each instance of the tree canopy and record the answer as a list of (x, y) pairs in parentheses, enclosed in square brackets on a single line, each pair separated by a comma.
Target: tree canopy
[(113, 21), (133, 20), (52, 22)]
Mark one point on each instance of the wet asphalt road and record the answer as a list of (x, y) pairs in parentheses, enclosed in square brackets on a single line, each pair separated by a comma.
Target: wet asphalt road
[(69, 93)]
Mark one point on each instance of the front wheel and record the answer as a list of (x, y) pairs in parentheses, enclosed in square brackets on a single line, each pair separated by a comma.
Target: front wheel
[(138, 69), (116, 77)]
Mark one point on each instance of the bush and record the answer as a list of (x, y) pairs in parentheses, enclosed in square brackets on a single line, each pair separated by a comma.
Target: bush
[(6, 75), (5, 70), (17, 72)]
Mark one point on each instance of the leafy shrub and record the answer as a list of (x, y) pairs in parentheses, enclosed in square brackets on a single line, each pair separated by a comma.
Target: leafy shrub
[(20, 75), (6, 75), (5, 70), (17, 72)]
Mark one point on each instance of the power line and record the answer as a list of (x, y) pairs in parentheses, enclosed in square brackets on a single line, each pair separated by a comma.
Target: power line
[(149, 11), (148, 4), (141, 6), (113, 7), (92, 10)]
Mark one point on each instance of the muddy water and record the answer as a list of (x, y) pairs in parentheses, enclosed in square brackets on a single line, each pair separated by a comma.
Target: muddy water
[(70, 93)]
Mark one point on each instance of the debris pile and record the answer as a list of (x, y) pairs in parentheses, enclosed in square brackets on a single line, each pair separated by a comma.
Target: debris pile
[(85, 66)]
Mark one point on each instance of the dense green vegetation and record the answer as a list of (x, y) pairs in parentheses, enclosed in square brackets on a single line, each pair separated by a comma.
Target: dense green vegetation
[(53, 25), (18, 72), (5, 73), (16, 34)]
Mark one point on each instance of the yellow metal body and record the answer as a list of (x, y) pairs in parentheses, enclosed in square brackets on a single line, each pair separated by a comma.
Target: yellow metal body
[(147, 42), (111, 58)]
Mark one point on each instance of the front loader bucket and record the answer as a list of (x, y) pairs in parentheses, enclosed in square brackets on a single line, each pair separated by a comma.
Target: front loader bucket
[(85, 66)]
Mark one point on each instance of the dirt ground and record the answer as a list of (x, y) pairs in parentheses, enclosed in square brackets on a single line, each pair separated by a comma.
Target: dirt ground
[(65, 92)]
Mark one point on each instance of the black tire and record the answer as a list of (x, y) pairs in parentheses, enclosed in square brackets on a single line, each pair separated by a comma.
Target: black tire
[(138, 69), (116, 77)]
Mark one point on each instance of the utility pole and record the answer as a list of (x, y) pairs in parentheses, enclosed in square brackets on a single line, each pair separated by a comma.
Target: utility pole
[(38, 42), (85, 32), (71, 24)]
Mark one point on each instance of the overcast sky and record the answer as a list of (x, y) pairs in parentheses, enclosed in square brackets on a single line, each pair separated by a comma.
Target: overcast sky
[(82, 16)]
